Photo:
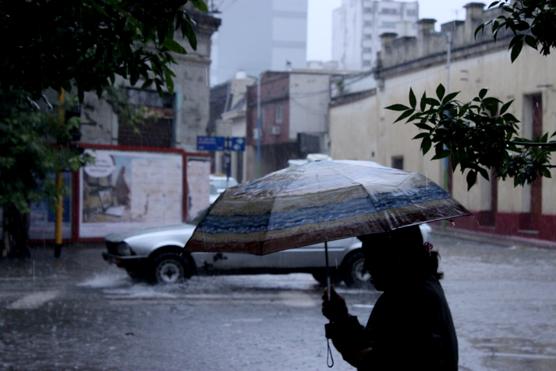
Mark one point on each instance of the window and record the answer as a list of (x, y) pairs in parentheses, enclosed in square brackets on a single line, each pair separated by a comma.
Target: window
[(411, 12), (279, 114), (388, 25), (397, 162), (389, 11), (367, 50)]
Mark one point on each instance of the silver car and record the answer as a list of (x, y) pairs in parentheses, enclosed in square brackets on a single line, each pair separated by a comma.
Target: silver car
[(158, 255)]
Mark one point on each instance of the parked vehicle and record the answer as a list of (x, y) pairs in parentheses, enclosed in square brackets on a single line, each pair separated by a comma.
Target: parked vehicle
[(158, 255), (218, 184)]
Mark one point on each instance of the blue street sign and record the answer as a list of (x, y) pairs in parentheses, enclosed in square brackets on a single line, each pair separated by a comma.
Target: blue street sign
[(236, 144), (211, 143)]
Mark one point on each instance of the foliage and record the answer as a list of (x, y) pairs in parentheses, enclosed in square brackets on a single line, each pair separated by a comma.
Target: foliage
[(32, 145), (478, 136), (86, 44), (76, 46), (481, 136), (530, 21)]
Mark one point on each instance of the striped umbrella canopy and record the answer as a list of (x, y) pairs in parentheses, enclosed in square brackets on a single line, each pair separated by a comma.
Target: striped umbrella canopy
[(318, 202)]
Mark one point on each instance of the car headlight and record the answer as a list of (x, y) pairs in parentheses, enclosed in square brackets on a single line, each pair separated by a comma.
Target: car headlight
[(123, 249)]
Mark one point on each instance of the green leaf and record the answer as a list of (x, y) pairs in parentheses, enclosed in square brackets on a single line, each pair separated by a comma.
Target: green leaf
[(482, 93), (505, 107), (412, 99), (531, 41), (440, 90), (516, 49), (449, 97), (189, 33), (201, 5), (426, 144), (481, 29), (423, 101), (510, 118), (397, 107), (471, 179), (174, 46), (484, 173), (404, 115), (421, 135), (424, 126)]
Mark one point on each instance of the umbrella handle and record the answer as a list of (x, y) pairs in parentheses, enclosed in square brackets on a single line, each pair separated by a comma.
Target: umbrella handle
[(328, 280), (329, 358)]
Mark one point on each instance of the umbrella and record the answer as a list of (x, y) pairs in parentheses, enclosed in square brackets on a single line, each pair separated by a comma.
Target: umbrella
[(318, 202)]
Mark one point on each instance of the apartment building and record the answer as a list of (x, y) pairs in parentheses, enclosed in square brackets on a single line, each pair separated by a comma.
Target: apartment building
[(358, 24), (259, 35)]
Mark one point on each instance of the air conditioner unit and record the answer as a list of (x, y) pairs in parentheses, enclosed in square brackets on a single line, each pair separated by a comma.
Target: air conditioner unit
[(256, 133), (276, 130)]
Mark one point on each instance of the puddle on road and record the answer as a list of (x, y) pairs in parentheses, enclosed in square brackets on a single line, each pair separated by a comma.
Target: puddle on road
[(105, 280), (297, 299)]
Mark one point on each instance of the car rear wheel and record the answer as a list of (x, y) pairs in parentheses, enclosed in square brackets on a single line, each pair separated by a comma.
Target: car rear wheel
[(354, 272), (169, 269)]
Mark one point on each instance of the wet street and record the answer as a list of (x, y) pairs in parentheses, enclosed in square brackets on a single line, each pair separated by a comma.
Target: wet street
[(80, 313)]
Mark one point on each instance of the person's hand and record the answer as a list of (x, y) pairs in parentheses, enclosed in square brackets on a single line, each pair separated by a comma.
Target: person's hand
[(334, 309)]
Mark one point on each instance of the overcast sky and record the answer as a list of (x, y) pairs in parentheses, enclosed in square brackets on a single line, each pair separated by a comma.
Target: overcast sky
[(319, 36)]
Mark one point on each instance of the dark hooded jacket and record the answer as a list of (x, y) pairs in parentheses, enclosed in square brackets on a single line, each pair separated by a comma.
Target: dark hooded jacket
[(410, 328)]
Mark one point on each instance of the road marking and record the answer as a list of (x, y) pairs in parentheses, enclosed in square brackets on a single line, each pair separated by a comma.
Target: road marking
[(34, 300)]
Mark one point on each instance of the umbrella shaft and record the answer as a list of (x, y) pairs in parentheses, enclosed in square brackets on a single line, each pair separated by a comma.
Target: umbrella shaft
[(328, 280)]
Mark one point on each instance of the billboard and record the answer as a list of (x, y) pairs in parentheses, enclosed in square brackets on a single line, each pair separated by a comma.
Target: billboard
[(126, 190)]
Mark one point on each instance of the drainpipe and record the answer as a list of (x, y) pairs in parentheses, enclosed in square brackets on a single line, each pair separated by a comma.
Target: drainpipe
[(446, 160)]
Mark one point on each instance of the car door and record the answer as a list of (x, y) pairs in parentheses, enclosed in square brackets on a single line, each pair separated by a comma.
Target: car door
[(312, 256), (224, 261)]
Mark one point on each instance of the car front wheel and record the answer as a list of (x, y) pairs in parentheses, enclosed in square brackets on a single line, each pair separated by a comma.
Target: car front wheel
[(355, 274), (168, 269)]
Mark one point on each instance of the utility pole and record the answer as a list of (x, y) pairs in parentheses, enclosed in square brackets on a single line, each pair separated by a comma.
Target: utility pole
[(259, 130), (59, 206)]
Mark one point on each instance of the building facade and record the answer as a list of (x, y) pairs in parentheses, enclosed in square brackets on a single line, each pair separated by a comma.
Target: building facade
[(173, 120), (358, 24), (228, 104), (422, 63), (259, 35), (288, 120)]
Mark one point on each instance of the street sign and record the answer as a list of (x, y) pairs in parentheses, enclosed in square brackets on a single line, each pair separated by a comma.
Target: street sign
[(236, 144), (211, 143)]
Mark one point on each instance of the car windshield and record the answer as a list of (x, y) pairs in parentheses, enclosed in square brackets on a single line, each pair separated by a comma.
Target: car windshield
[(199, 216), (221, 183)]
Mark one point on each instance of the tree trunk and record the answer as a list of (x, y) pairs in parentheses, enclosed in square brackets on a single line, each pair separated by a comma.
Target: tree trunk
[(16, 233)]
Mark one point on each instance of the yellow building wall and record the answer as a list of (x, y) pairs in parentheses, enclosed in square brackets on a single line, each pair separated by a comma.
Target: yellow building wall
[(358, 128), (352, 130)]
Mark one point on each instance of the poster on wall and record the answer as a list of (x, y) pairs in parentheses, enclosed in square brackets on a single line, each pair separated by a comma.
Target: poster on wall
[(198, 171), (42, 215), (122, 191)]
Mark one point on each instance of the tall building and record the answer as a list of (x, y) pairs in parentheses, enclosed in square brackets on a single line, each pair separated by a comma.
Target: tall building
[(259, 35), (358, 24)]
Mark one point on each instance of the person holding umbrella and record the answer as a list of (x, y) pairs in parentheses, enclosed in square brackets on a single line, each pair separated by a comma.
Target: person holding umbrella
[(410, 326)]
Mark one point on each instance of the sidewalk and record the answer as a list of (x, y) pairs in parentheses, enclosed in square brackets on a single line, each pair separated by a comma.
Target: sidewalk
[(491, 238), (75, 261)]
